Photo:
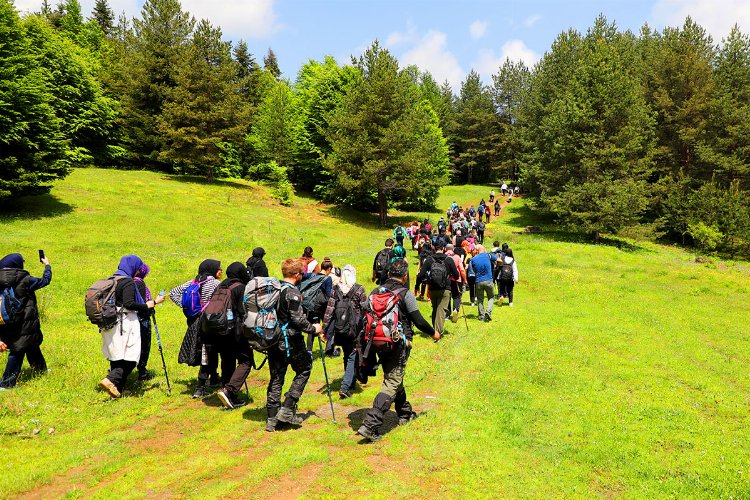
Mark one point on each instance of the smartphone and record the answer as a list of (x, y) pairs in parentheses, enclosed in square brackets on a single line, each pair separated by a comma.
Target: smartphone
[(41, 255)]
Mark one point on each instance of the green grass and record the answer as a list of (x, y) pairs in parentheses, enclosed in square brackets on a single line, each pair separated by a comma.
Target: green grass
[(622, 370)]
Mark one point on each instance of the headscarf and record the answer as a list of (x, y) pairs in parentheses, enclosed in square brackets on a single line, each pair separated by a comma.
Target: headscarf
[(348, 278), (12, 261), (258, 253), (208, 267), (399, 252), (129, 265), (142, 273), (238, 272)]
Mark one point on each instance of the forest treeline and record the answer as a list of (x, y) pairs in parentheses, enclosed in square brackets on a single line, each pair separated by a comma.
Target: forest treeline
[(610, 129)]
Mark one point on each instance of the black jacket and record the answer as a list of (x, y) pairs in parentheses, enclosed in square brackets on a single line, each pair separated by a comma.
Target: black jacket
[(257, 267), (26, 333), (290, 312), (427, 266)]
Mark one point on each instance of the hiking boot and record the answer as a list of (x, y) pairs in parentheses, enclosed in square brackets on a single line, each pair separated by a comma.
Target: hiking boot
[(288, 416), (368, 434), (487, 317), (200, 392), (226, 399), (271, 424), (345, 394), (109, 386), (406, 419), (144, 377), (454, 316)]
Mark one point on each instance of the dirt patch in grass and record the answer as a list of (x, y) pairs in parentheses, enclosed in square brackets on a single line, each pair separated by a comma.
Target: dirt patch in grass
[(58, 486)]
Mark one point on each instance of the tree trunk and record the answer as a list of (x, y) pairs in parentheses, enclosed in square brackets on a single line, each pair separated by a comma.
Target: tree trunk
[(383, 207)]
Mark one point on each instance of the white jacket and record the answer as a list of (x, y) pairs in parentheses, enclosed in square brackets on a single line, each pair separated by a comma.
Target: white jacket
[(123, 341)]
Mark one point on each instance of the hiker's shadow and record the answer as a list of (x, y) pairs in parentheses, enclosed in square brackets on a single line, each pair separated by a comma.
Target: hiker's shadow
[(260, 414), (390, 420)]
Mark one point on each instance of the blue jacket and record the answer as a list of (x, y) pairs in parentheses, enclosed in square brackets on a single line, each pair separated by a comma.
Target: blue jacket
[(482, 265)]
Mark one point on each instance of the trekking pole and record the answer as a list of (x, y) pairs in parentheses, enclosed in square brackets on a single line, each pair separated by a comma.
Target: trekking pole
[(161, 351), (328, 386), (466, 322)]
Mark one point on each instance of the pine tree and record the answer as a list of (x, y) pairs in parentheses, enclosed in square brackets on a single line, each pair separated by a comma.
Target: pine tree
[(271, 64), (104, 17), (510, 88)]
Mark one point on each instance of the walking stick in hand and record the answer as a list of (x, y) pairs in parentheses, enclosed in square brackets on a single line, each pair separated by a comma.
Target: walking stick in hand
[(161, 351), (328, 386)]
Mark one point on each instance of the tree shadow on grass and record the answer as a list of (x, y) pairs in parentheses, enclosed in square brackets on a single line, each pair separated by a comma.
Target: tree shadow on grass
[(193, 179), (526, 216), (371, 220), (34, 207)]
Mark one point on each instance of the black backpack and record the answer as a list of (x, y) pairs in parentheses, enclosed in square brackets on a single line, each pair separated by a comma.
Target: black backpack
[(480, 226), (314, 300), (218, 317), (381, 261), (347, 314), (506, 270), (439, 275)]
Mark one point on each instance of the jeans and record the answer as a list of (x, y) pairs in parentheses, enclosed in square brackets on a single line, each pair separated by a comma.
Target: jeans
[(350, 363), (485, 287), (15, 362)]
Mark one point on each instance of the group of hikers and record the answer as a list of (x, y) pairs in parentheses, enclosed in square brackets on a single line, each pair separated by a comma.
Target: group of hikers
[(234, 313)]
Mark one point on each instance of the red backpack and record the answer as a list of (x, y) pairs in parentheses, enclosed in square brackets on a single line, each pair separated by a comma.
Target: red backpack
[(382, 328)]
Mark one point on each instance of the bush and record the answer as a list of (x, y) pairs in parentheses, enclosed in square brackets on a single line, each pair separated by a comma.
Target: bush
[(707, 238), (276, 177)]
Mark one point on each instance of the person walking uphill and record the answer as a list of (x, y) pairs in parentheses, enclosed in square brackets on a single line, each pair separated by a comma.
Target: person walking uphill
[(256, 266), (482, 264), (438, 269), (121, 344), (393, 356), (21, 334), (290, 313)]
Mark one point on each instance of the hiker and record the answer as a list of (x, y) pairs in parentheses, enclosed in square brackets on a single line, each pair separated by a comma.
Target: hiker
[(380, 264), (398, 234), (192, 296), (492, 195), (499, 251), (393, 357), (487, 215), (480, 211), (504, 188), (311, 265), (21, 334), (508, 275), (256, 266), (471, 280), (235, 343), (316, 290), (291, 314), (144, 318), (438, 269), (483, 263), (457, 285), (497, 208), (342, 323), (121, 344), (480, 230), (420, 285)]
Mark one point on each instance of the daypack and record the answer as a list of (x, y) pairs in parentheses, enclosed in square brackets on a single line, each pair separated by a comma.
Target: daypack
[(439, 275), (261, 325), (10, 307), (481, 226), (399, 232), (346, 313), (314, 300), (441, 226), (381, 262), (506, 270), (382, 327), (218, 317), (100, 302), (191, 302), (480, 209)]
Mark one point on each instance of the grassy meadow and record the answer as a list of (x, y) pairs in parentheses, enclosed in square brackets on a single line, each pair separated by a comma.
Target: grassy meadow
[(623, 370)]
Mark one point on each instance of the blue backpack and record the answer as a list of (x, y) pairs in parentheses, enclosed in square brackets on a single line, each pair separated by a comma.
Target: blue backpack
[(191, 302), (10, 306)]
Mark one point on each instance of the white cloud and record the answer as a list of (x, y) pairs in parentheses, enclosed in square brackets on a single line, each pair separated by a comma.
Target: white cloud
[(716, 16), (130, 7), (478, 29), (399, 37), (530, 21), (488, 63), (431, 54)]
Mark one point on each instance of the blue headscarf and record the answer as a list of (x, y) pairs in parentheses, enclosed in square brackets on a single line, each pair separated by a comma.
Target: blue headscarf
[(129, 265), (12, 261)]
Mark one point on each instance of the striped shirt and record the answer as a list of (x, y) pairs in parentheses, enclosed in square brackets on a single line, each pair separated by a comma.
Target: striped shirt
[(207, 290)]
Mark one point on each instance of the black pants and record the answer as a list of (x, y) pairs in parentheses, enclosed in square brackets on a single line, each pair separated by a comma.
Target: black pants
[(507, 289), (392, 391), (246, 361), (119, 371), (421, 287), (457, 290), (480, 236), (471, 281), (145, 345), (15, 362), (223, 348), (301, 362)]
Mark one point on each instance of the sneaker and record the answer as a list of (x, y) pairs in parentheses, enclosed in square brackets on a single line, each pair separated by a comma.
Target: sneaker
[(405, 420), (237, 402), (454, 316), (108, 386), (487, 317), (288, 416), (510, 304), (368, 434), (144, 377), (200, 392), (271, 424), (226, 399), (345, 394)]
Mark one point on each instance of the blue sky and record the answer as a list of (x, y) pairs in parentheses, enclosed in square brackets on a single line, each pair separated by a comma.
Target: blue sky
[(448, 38)]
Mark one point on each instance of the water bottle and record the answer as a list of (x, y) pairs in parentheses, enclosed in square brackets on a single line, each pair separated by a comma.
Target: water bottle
[(162, 293), (204, 355), (230, 314)]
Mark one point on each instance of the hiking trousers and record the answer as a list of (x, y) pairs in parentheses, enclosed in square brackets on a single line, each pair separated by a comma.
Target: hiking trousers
[(15, 362), (506, 287), (488, 288), (301, 362), (392, 390), (145, 345), (119, 371), (457, 291), (245, 363), (440, 307)]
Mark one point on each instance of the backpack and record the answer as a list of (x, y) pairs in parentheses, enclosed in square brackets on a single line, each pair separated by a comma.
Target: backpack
[(10, 307), (217, 317), (506, 270), (191, 302), (480, 209), (382, 329), (381, 261), (439, 275), (481, 226), (399, 232), (100, 302), (346, 313), (314, 300), (261, 325), (441, 226)]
